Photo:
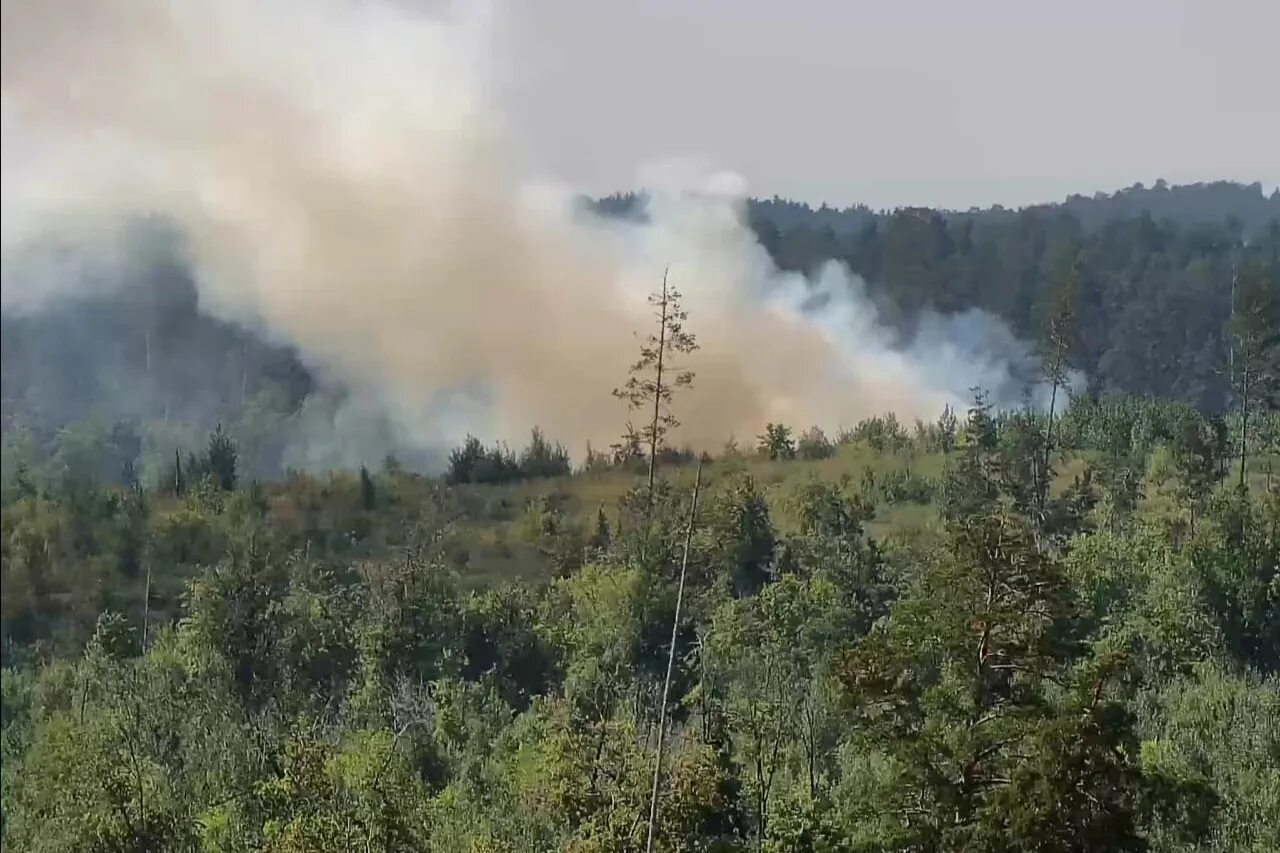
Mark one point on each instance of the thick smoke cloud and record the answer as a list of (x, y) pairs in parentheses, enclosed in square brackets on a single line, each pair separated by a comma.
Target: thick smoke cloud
[(341, 178)]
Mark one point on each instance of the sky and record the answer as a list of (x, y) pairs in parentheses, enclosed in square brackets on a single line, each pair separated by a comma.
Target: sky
[(951, 104)]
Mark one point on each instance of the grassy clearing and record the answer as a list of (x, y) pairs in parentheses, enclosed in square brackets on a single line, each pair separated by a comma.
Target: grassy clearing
[(493, 528)]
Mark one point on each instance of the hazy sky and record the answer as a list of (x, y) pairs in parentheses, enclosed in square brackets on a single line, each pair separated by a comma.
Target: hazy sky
[(907, 102)]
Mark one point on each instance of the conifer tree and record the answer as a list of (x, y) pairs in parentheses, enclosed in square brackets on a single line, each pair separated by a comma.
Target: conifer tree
[(1255, 331), (655, 376), (368, 494)]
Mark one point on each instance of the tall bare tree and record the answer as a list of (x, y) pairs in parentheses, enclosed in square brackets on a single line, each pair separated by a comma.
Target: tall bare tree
[(1056, 349), (655, 376), (671, 661)]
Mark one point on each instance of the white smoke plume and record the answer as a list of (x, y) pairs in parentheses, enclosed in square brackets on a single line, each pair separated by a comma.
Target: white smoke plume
[(342, 178)]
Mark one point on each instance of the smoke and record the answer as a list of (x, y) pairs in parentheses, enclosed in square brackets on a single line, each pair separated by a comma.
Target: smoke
[(341, 178)]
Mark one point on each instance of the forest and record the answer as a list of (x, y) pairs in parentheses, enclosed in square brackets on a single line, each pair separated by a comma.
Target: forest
[(1021, 629)]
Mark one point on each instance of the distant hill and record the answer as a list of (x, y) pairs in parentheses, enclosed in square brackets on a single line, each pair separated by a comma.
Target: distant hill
[(1186, 204)]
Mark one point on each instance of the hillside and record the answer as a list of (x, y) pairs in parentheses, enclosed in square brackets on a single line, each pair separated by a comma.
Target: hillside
[(387, 659)]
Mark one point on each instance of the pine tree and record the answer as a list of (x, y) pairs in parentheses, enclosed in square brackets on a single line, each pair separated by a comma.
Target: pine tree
[(973, 476), (1193, 456), (220, 459), (997, 741), (654, 377), (947, 426), (601, 537), (368, 494), (980, 427), (1255, 330)]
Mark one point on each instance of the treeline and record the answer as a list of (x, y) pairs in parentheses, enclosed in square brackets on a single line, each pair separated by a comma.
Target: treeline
[(1209, 203), (1152, 301), (473, 462), (1156, 270), (1247, 207)]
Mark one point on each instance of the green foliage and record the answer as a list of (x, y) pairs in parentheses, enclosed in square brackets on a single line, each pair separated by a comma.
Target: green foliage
[(1130, 429), (739, 544), (1196, 458), (331, 664), (1238, 561), (1216, 727), (813, 444), (541, 458), (475, 463), (501, 643), (220, 459), (899, 485), (1139, 595), (113, 638), (614, 624), (412, 626), (1150, 277), (971, 483), (964, 692), (776, 442), (880, 433), (232, 625), (217, 464), (1004, 630), (947, 427), (980, 431), (766, 670)]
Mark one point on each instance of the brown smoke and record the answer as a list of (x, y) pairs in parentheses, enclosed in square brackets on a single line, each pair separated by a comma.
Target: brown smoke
[(342, 178)]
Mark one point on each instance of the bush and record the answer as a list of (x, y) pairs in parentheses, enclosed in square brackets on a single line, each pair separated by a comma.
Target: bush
[(907, 487), (777, 443), (473, 462), (543, 458), (814, 444), (185, 537), (898, 486), (881, 433)]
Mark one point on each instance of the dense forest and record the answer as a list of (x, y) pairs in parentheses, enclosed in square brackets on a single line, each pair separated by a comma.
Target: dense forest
[(1155, 270), (996, 630)]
